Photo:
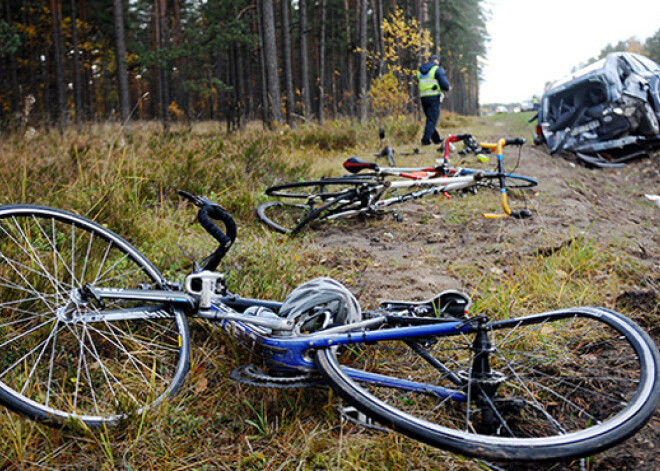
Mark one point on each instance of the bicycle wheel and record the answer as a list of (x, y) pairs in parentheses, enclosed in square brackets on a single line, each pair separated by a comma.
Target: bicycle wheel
[(561, 385), (281, 216), (56, 365), (512, 181), (324, 188)]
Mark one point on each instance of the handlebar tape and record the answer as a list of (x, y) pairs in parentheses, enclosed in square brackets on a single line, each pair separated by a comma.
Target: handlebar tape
[(205, 217), (521, 214), (516, 141), (209, 212)]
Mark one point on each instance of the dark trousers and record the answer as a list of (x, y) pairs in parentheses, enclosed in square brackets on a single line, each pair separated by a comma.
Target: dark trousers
[(431, 107)]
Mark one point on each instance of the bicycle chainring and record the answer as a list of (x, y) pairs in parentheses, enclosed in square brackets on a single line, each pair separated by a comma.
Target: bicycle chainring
[(252, 375)]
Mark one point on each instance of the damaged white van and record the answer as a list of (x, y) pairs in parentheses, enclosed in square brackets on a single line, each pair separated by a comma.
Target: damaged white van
[(607, 112)]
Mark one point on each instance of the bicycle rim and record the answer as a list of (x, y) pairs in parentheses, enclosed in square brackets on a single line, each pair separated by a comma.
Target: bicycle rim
[(281, 216), (569, 384), (324, 188), (512, 181), (57, 366)]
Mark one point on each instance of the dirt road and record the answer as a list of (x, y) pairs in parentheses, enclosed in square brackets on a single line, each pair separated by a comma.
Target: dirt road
[(419, 257)]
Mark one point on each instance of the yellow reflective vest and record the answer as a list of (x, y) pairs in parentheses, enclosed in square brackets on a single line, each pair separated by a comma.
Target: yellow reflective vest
[(428, 85)]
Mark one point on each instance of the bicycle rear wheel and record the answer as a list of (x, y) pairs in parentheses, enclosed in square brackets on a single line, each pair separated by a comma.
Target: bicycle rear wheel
[(281, 216), (563, 384), (58, 365), (290, 218), (324, 188)]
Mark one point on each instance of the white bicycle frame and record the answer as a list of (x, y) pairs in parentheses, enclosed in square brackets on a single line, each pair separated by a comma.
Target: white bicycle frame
[(430, 186)]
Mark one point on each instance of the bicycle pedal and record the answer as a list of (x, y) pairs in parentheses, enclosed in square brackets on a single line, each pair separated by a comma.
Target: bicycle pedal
[(351, 414)]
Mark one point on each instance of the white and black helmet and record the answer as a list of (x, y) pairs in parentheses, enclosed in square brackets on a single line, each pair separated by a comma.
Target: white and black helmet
[(325, 293)]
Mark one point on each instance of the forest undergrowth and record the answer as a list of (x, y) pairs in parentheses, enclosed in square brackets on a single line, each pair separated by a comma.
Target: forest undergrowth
[(126, 179)]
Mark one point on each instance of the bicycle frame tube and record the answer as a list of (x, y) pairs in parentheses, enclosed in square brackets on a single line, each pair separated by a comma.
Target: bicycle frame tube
[(436, 185), (286, 353), (466, 180), (293, 352)]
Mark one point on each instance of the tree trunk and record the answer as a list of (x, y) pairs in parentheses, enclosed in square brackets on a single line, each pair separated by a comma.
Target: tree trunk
[(414, 91), (304, 59), (349, 61), (161, 46), (182, 64), (322, 61), (77, 92), (58, 44), (86, 77), (265, 112), (248, 97), (377, 6), (286, 57), (270, 58), (120, 55), (436, 27), (362, 56), (15, 105)]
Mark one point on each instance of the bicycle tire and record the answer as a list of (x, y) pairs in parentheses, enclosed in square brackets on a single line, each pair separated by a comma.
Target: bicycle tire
[(548, 364), (281, 216), (512, 181), (323, 188), (56, 369), (491, 180)]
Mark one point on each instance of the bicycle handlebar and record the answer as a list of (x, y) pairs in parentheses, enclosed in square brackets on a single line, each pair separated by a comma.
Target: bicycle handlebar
[(510, 141), (458, 137), (208, 212), (516, 141)]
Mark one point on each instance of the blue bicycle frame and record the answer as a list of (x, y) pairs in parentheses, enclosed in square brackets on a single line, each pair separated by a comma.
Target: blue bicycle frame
[(291, 353)]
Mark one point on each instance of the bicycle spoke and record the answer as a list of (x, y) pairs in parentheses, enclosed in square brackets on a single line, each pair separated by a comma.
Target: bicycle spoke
[(56, 363), (41, 353)]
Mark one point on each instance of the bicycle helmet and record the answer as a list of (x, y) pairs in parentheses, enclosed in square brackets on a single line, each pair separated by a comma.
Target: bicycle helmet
[(321, 296)]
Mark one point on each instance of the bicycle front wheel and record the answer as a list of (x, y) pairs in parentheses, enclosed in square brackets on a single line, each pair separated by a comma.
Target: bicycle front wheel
[(511, 181), (561, 385), (60, 364)]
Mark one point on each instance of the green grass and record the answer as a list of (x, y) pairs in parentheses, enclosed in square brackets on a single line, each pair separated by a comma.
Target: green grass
[(127, 182)]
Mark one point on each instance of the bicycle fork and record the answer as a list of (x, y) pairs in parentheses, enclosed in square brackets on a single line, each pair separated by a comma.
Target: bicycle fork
[(483, 381)]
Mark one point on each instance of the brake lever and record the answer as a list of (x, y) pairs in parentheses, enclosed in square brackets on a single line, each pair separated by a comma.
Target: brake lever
[(198, 200)]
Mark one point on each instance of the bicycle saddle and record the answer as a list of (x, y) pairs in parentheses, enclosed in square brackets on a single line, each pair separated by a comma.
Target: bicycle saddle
[(355, 165)]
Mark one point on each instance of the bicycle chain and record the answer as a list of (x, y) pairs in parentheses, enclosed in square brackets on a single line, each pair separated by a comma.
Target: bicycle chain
[(255, 376)]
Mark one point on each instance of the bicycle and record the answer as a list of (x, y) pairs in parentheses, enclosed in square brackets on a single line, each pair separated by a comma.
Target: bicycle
[(339, 197), (92, 332)]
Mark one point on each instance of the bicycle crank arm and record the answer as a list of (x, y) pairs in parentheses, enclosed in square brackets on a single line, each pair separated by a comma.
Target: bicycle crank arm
[(147, 295), (220, 313), (114, 315)]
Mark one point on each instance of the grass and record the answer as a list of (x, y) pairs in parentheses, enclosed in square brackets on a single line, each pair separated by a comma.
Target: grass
[(127, 182)]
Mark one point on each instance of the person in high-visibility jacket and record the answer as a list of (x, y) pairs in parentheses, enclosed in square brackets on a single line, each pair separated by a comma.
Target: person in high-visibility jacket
[(432, 80)]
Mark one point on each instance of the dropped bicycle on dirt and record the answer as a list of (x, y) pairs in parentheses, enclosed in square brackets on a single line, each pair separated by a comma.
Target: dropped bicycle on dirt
[(91, 331), (372, 193)]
